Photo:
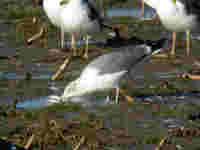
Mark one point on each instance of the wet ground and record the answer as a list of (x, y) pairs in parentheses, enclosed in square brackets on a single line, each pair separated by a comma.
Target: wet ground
[(164, 105)]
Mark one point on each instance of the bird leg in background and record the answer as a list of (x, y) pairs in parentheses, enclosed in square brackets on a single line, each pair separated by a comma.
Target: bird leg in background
[(62, 38), (188, 42), (107, 99), (117, 95), (85, 55), (58, 38), (73, 44), (142, 13), (115, 92), (173, 44)]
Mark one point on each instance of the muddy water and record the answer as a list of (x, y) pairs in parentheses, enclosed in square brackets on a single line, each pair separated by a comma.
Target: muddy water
[(167, 109)]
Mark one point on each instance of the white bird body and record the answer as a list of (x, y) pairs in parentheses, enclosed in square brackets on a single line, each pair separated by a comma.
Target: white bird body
[(74, 17), (90, 81), (52, 9), (91, 78), (178, 16), (173, 16), (81, 18)]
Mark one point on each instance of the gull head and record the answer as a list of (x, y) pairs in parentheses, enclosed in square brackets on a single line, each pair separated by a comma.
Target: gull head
[(151, 48)]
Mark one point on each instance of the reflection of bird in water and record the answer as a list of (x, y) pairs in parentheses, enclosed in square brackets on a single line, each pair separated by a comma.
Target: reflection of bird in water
[(106, 71), (80, 18), (178, 16)]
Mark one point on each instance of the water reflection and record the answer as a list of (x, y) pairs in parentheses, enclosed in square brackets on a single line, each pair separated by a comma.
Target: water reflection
[(44, 101), (34, 103), (130, 12), (90, 101)]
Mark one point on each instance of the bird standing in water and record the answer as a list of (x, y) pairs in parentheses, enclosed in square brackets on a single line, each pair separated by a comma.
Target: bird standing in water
[(80, 18), (52, 9), (178, 16), (106, 71)]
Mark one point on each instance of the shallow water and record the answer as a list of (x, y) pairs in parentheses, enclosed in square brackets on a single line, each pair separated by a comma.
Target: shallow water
[(130, 12), (166, 109)]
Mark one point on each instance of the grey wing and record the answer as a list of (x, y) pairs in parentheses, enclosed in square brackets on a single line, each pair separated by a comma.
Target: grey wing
[(113, 62)]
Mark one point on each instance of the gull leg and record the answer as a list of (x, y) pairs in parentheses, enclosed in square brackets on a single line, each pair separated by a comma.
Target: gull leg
[(142, 1), (107, 99), (172, 53), (117, 95), (58, 38), (73, 46), (188, 42), (85, 55), (62, 38)]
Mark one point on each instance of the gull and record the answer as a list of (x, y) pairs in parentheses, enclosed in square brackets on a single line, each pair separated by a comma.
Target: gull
[(80, 18), (105, 72), (178, 16), (52, 9)]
